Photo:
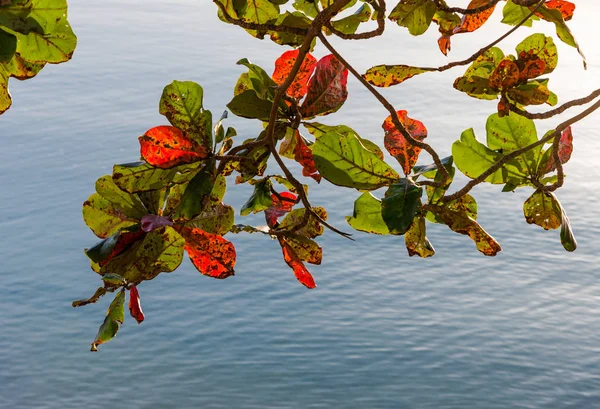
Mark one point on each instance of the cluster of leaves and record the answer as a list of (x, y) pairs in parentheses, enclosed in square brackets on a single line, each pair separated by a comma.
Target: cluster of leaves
[(149, 213), (32, 34)]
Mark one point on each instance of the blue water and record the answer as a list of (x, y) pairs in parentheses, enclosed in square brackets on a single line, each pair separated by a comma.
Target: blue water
[(382, 330)]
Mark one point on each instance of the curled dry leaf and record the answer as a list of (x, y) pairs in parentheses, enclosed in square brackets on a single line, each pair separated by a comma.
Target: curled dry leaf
[(135, 307)]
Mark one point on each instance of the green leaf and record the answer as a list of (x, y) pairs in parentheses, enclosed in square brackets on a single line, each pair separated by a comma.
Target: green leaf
[(367, 215), (349, 24), (130, 204), (103, 249), (543, 209), (294, 19), (398, 207), (318, 129), (562, 30), (567, 238), (47, 14), (8, 46), (140, 177), (473, 158), (197, 192), (113, 279), (55, 47), (308, 7), (160, 251), (475, 81), (344, 161), (114, 318), (262, 83), (313, 227), (514, 14), (416, 15), (416, 241), (181, 103), (215, 218), (249, 105), (260, 199), (388, 75), (513, 132), (258, 11)]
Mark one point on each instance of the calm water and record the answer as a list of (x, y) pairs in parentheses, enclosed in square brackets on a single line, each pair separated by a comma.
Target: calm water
[(381, 331)]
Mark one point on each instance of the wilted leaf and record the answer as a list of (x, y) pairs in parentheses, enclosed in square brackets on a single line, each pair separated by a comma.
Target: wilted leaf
[(114, 318), (543, 209), (304, 156), (327, 89), (416, 241), (152, 222), (211, 254), (135, 307), (167, 146), (406, 154), (283, 66), (292, 260)]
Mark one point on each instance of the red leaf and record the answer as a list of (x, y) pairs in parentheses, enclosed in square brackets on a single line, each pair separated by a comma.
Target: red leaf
[(124, 241), (398, 146), (327, 89), (283, 66), (210, 253), (303, 155), (167, 146), (292, 260), (135, 307), (471, 22), (565, 149), (152, 222), (282, 204), (505, 76), (530, 66), (566, 8)]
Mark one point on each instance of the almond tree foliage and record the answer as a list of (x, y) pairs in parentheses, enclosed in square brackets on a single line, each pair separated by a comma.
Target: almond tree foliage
[(33, 33), (148, 213)]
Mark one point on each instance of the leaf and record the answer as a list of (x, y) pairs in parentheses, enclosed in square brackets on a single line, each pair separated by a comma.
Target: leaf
[(513, 132), (460, 222), (294, 19), (473, 158), (211, 254), (505, 76), (152, 222), (258, 11), (166, 146), (54, 47), (8, 46), (111, 209), (313, 227), (138, 177), (566, 8), (398, 207), (349, 24), (114, 318), (405, 153), (108, 250), (543, 209), (197, 193), (471, 22), (300, 271), (20, 69), (135, 307), (367, 215), (567, 238), (344, 161), (318, 129), (283, 66), (215, 218), (513, 14), (416, 241), (327, 89), (532, 93), (113, 280), (282, 203), (388, 75), (260, 81), (181, 103), (475, 82), (303, 155), (538, 46), (158, 251), (249, 105), (565, 149), (562, 30), (260, 199), (416, 15), (46, 14)]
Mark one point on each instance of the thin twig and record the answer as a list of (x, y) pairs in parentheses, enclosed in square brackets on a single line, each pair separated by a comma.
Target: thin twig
[(556, 111)]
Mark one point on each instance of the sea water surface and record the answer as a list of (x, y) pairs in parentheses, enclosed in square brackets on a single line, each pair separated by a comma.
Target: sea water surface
[(382, 330)]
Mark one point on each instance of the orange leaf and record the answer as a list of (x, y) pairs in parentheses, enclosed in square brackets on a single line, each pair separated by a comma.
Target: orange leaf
[(167, 146), (283, 66), (444, 44), (505, 76), (471, 22), (300, 270), (303, 155), (531, 68), (135, 308), (406, 154), (566, 8), (210, 253)]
